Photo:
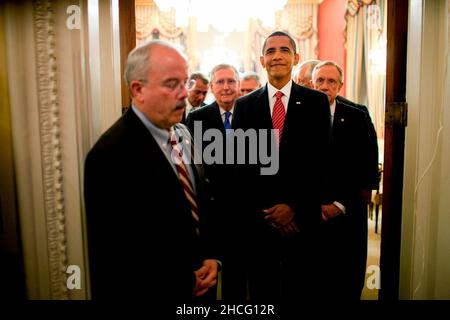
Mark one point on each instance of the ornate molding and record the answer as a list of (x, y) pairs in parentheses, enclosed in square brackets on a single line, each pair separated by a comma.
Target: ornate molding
[(50, 137)]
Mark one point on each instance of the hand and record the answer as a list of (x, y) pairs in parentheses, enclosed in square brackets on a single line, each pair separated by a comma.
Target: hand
[(330, 211), (205, 277), (280, 215)]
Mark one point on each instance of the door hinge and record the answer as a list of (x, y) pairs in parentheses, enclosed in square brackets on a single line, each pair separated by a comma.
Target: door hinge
[(396, 114)]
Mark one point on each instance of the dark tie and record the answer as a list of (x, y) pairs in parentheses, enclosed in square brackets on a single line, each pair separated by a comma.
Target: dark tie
[(227, 123), (278, 115), (177, 158)]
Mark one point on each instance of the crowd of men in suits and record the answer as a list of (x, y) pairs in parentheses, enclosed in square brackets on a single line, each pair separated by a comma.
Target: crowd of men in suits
[(300, 233)]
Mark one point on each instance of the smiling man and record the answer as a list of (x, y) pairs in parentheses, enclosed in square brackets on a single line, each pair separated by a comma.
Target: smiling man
[(217, 116), (282, 211)]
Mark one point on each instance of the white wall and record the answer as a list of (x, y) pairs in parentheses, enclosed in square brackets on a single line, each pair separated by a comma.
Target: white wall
[(425, 252)]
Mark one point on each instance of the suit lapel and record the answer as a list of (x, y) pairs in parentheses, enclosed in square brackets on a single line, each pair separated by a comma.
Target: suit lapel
[(216, 118), (338, 120), (294, 104), (264, 118)]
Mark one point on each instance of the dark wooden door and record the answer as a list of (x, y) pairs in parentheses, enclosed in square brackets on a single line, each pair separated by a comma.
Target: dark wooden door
[(397, 30)]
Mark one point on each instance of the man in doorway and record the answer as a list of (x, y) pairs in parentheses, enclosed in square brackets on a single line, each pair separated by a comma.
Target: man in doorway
[(344, 208), (303, 76), (282, 211)]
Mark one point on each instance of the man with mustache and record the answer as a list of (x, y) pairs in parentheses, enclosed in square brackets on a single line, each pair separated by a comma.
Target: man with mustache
[(144, 201), (283, 210)]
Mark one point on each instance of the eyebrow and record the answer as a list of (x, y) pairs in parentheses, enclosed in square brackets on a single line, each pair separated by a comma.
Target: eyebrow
[(281, 48), (173, 79)]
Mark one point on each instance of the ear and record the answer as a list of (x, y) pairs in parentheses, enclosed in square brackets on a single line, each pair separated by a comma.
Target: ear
[(136, 89), (263, 63), (296, 58)]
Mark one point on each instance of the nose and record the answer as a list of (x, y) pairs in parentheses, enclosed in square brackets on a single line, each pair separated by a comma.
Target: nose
[(324, 86), (276, 55), (184, 92)]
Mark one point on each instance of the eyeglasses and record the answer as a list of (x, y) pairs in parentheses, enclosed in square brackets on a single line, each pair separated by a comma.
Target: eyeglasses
[(173, 85), (221, 82)]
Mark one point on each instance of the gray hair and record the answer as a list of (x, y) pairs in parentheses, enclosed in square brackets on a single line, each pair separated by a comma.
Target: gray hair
[(309, 65), (223, 66), (328, 63), (139, 60), (251, 75)]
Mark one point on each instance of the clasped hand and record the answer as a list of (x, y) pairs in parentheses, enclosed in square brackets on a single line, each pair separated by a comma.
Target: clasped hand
[(281, 217), (205, 277), (330, 211)]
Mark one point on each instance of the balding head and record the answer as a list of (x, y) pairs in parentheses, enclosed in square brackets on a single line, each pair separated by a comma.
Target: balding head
[(303, 73)]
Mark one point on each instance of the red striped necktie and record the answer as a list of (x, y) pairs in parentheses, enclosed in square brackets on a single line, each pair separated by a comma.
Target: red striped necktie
[(278, 115), (177, 158)]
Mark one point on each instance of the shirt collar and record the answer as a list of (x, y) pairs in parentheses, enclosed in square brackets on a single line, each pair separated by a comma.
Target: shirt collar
[(286, 89), (222, 111), (333, 108)]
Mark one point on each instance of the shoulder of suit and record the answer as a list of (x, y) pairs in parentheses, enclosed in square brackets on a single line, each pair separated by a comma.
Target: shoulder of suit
[(205, 109), (120, 133), (349, 109), (351, 103), (308, 92)]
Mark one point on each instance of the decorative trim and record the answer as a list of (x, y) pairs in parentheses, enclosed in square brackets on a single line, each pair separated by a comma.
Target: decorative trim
[(50, 137), (352, 10)]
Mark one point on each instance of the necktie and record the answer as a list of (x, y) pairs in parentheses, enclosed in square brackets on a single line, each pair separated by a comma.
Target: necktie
[(177, 158), (278, 115), (227, 123)]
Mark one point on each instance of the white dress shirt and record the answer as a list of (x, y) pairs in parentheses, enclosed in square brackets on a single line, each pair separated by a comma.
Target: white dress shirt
[(285, 98)]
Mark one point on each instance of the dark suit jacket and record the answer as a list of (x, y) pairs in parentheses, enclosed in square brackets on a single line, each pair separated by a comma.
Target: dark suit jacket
[(374, 176), (345, 236), (301, 157), (350, 155), (185, 116), (210, 118), (220, 175), (141, 236)]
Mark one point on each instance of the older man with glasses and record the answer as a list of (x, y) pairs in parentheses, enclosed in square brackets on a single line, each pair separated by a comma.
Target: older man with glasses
[(218, 116), (141, 205)]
